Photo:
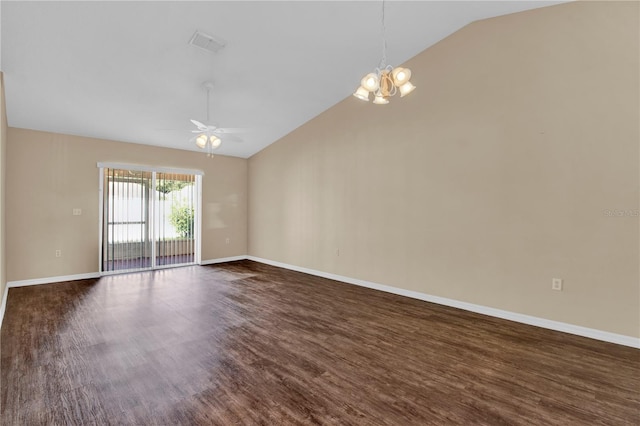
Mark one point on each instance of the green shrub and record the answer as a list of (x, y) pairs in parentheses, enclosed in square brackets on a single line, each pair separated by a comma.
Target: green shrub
[(182, 219)]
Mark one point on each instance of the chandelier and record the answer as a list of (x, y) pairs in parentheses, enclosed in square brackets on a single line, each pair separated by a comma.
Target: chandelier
[(385, 81)]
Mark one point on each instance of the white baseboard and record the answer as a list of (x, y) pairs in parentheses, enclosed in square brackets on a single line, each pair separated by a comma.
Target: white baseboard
[(49, 280), (498, 313), (223, 260), (3, 305), (485, 310)]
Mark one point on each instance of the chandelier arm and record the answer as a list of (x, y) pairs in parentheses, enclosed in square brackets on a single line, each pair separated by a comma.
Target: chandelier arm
[(393, 87)]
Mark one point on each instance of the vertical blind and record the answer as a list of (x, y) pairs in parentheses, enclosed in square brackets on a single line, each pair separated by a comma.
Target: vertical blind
[(175, 213), (148, 219)]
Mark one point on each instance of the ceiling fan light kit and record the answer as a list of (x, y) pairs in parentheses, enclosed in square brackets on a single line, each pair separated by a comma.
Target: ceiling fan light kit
[(202, 140), (385, 81)]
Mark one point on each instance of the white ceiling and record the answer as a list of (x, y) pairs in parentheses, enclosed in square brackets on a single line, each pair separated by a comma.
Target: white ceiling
[(125, 71)]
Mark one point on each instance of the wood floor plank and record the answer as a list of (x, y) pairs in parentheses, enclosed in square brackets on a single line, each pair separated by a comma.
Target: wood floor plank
[(250, 344)]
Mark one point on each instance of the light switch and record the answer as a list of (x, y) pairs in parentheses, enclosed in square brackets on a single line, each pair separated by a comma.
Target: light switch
[(77, 212)]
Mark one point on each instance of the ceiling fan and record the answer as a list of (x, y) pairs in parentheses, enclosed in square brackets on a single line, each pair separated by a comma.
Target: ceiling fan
[(209, 136)]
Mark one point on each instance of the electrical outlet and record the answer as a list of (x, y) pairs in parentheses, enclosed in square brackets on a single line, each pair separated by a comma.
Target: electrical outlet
[(556, 284), (228, 240), (337, 252), (58, 253)]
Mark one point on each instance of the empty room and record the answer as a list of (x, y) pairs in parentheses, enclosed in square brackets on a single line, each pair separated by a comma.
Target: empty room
[(320, 213)]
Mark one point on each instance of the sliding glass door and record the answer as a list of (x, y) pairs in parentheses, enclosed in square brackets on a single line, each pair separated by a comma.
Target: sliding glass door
[(174, 225), (126, 232), (149, 219)]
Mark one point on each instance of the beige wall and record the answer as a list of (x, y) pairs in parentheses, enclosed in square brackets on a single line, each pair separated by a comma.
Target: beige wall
[(50, 174), (3, 163), (489, 180)]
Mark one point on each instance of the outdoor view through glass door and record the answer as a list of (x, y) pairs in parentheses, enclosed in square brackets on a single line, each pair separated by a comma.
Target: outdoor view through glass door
[(148, 219)]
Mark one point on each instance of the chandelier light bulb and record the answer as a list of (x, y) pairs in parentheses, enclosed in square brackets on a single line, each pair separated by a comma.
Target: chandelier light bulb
[(401, 76), (370, 82)]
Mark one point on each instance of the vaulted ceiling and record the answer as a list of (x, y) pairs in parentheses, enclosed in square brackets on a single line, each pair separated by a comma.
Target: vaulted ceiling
[(125, 71)]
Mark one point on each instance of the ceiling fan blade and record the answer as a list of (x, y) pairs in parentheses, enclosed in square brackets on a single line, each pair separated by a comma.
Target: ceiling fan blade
[(232, 138), (198, 131), (226, 130), (199, 125)]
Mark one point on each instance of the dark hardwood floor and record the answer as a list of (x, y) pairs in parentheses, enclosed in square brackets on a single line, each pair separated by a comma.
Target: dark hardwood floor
[(250, 344)]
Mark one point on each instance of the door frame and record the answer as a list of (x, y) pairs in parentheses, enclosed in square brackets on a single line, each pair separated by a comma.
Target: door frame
[(154, 170)]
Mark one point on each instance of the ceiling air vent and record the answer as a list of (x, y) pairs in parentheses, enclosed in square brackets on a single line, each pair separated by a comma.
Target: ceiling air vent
[(206, 42)]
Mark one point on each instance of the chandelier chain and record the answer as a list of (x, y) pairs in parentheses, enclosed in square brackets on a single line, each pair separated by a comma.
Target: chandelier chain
[(383, 61)]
